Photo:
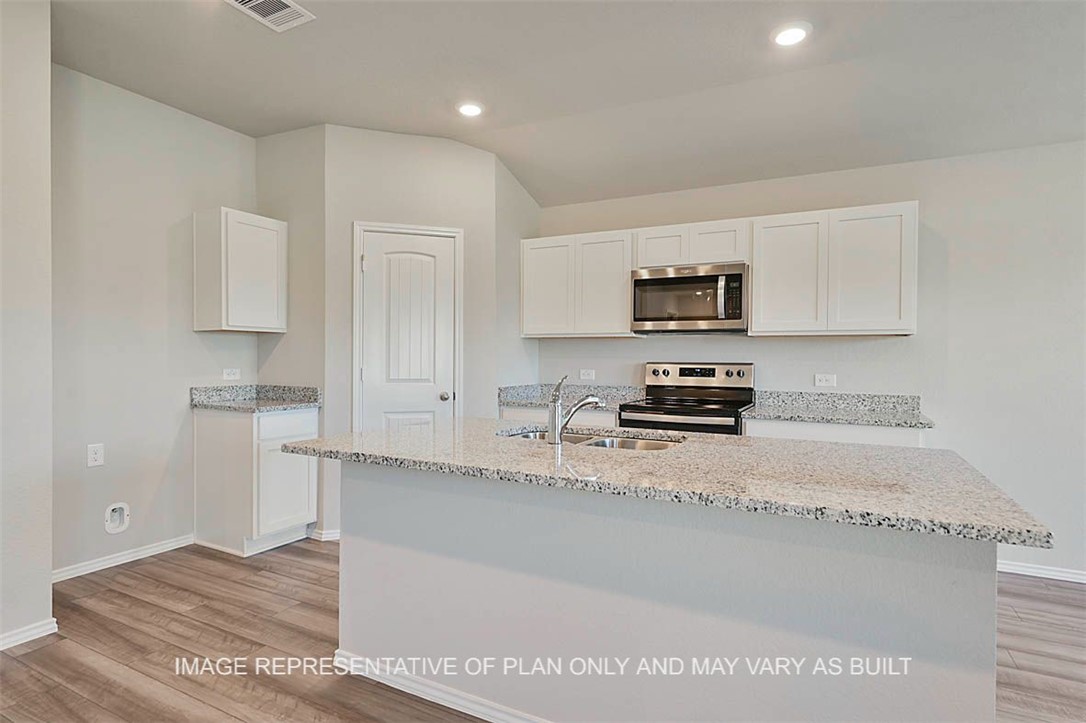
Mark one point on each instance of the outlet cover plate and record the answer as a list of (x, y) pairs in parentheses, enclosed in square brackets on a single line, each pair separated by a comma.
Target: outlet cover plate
[(231, 375), (96, 455), (825, 380), (588, 375)]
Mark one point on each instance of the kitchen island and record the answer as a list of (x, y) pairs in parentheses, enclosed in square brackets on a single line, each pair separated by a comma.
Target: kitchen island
[(721, 578)]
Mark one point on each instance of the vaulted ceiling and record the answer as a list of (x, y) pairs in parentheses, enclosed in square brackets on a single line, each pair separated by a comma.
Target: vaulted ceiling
[(592, 100)]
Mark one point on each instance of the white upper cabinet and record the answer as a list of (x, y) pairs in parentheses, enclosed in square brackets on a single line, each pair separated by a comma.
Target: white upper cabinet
[(712, 242), (239, 272), (872, 271), (789, 269), (663, 246), (719, 242), (576, 285), (546, 285), (603, 297), (845, 271)]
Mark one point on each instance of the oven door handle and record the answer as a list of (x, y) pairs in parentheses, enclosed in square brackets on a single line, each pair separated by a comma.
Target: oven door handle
[(677, 419)]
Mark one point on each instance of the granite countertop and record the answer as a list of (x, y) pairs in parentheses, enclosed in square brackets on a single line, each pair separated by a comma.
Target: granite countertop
[(875, 410), (255, 398), (539, 395), (931, 491)]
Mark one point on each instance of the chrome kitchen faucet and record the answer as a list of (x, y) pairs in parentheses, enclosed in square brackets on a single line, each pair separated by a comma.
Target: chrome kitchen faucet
[(556, 420)]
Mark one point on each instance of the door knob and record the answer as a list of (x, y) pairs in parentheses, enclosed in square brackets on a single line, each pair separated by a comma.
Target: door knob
[(444, 396)]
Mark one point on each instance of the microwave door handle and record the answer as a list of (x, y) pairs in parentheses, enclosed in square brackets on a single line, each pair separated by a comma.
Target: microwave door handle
[(720, 308)]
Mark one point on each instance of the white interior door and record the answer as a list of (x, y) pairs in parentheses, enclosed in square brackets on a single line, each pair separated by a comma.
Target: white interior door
[(408, 318)]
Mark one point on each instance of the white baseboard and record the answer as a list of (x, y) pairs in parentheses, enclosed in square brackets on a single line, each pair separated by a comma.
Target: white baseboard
[(1053, 573), (438, 693), (324, 535), (251, 547), (120, 558), (28, 633)]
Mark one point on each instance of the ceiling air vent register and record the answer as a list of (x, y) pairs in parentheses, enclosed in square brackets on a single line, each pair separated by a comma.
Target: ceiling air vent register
[(279, 15)]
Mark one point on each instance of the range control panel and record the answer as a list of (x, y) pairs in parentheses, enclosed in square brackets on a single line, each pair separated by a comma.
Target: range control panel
[(699, 375)]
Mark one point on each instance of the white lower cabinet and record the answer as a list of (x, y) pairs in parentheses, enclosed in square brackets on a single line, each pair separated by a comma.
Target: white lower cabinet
[(538, 415), (852, 433), (249, 495)]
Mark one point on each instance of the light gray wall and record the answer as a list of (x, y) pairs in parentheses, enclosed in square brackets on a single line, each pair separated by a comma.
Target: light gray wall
[(290, 186), (517, 218), (26, 355), (128, 173), (999, 357)]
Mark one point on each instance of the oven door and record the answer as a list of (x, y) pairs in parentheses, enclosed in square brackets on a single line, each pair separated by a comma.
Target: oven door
[(640, 419), (690, 298)]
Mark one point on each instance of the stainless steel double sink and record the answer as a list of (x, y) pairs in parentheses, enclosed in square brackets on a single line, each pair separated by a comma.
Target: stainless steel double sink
[(585, 440)]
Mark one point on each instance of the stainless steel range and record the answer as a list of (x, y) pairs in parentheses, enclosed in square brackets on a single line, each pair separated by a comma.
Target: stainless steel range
[(692, 398)]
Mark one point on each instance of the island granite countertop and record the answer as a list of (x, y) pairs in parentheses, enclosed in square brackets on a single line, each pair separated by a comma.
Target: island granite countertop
[(930, 491)]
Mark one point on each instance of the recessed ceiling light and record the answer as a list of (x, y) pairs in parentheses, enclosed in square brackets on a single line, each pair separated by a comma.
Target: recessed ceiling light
[(791, 33), (470, 109)]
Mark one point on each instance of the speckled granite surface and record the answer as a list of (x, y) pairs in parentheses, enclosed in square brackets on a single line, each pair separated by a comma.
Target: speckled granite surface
[(877, 410), (254, 398), (929, 491), (539, 395)]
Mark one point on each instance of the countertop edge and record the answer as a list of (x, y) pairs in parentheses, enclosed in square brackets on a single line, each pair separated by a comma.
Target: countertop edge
[(258, 407)]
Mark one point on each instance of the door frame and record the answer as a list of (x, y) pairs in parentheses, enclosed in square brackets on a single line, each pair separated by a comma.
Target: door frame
[(358, 316)]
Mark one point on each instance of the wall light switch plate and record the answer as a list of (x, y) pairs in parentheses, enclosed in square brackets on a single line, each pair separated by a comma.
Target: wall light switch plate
[(96, 455), (825, 380), (231, 375), (588, 375)]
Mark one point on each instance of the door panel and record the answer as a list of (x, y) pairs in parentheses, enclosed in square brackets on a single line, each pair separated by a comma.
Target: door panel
[(664, 246), (255, 271), (789, 269), (408, 319), (872, 271), (286, 489), (603, 278), (546, 281), (718, 242)]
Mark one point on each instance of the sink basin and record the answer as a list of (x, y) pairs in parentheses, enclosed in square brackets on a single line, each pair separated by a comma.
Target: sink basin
[(570, 438), (627, 443)]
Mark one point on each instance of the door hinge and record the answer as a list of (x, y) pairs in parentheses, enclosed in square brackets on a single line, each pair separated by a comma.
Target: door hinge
[(362, 263), (361, 375)]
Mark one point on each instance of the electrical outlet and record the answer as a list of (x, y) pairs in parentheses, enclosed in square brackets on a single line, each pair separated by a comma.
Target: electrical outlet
[(825, 380), (96, 455), (231, 375), (588, 375)]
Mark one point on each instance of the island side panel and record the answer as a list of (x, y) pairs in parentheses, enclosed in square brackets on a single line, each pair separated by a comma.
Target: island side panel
[(449, 566)]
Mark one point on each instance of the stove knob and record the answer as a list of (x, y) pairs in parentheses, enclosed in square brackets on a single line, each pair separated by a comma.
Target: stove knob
[(728, 373), (656, 372), (741, 373), (667, 372)]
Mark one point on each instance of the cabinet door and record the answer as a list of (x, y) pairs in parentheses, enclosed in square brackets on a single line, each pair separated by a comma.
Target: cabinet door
[(603, 276), (286, 489), (872, 268), (255, 272), (663, 246), (789, 269), (717, 242), (546, 286)]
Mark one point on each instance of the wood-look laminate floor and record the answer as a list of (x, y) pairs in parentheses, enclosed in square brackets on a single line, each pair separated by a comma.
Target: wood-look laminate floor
[(122, 629)]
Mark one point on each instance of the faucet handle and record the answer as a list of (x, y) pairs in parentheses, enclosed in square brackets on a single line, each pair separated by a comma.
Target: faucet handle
[(556, 395)]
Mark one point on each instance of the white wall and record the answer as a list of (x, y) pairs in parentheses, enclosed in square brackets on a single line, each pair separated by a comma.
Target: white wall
[(26, 356), (999, 357), (517, 218), (128, 173), (290, 186)]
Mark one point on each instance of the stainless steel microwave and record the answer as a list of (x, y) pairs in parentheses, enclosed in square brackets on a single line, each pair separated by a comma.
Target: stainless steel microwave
[(711, 297)]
